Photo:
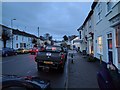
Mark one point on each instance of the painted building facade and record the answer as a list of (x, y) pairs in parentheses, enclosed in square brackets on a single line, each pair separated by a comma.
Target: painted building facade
[(21, 39), (101, 29), (106, 33)]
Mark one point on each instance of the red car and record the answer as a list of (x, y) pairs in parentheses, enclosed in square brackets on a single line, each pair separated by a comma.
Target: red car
[(34, 50)]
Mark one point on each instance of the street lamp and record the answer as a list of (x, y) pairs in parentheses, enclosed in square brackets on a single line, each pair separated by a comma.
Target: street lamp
[(12, 29)]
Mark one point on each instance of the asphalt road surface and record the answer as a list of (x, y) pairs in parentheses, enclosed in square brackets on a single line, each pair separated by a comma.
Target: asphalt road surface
[(24, 65)]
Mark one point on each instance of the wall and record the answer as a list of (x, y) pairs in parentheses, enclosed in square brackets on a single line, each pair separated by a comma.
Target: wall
[(102, 28)]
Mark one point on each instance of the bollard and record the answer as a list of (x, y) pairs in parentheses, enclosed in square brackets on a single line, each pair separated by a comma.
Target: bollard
[(100, 59)]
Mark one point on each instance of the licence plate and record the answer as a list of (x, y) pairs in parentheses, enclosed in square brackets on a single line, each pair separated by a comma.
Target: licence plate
[(46, 62)]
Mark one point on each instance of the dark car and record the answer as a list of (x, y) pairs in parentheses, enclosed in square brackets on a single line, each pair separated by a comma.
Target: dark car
[(13, 82), (8, 52), (52, 57)]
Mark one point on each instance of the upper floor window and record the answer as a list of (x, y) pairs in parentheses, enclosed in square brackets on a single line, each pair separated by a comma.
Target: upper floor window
[(99, 12), (109, 5), (16, 37)]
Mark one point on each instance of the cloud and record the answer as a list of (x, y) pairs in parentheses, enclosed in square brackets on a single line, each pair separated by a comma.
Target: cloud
[(56, 18)]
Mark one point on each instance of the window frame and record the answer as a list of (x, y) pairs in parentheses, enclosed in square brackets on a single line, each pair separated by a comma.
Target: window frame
[(98, 13)]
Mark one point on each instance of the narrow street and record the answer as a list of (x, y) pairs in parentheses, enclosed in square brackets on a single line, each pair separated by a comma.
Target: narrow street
[(80, 74), (24, 65)]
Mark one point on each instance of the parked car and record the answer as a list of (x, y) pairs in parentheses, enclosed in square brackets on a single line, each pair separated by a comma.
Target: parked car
[(0, 51), (22, 50), (52, 57), (14, 82), (8, 52), (34, 50)]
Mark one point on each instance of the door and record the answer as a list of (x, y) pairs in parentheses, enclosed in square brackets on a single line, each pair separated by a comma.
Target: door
[(110, 56), (110, 51)]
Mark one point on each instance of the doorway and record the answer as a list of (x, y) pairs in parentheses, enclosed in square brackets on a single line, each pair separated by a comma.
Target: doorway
[(110, 51)]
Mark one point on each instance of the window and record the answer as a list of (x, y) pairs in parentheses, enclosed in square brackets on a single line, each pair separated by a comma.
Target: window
[(80, 34), (109, 38), (109, 5), (109, 43), (99, 11), (90, 23), (100, 47), (17, 45), (118, 37), (16, 37)]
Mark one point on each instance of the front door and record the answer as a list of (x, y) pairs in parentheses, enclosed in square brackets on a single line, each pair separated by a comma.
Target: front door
[(110, 51)]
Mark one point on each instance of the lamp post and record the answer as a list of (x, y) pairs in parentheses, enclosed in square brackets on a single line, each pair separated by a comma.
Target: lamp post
[(12, 30)]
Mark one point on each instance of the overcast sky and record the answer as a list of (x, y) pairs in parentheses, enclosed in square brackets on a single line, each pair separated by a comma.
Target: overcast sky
[(56, 18)]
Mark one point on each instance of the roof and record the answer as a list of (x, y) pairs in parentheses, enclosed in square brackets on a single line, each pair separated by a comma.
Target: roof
[(18, 32), (89, 14), (94, 4)]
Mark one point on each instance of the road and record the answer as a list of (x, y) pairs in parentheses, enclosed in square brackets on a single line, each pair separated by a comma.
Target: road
[(24, 65)]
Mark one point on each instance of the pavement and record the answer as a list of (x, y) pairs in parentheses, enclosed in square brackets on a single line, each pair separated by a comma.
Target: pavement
[(82, 74)]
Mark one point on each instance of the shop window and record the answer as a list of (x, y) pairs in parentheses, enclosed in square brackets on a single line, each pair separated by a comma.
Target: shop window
[(100, 46)]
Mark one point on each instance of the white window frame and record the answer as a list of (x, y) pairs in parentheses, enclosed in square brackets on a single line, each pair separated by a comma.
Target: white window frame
[(99, 13), (99, 45)]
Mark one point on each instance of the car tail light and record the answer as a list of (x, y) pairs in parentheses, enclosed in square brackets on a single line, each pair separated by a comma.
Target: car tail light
[(37, 50), (61, 62), (62, 56)]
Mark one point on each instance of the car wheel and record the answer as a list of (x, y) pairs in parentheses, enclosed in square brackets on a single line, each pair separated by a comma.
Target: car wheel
[(39, 68), (61, 69), (15, 53), (6, 54)]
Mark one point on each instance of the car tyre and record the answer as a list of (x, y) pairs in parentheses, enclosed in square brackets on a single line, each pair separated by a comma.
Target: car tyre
[(15, 53), (6, 54), (39, 68), (61, 69)]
